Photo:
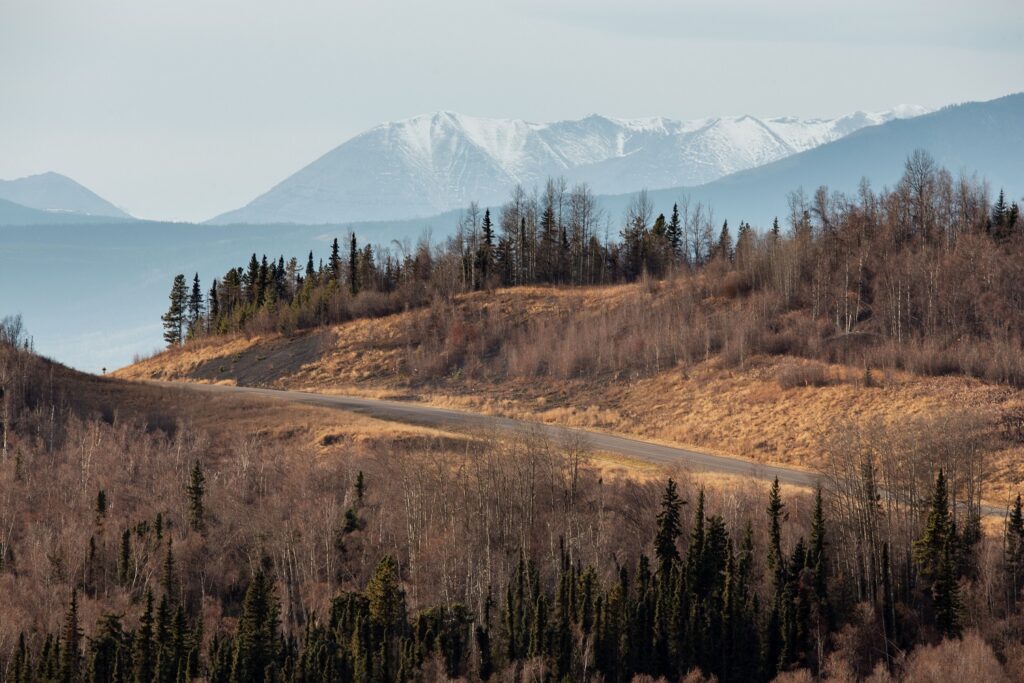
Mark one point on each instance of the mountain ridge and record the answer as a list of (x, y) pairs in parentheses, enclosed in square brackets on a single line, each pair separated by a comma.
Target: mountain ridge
[(979, 138), (437, 162), (58, 194)]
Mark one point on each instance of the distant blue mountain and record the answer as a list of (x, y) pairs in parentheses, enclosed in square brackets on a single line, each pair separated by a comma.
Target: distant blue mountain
[(51, 198), (979, 138)]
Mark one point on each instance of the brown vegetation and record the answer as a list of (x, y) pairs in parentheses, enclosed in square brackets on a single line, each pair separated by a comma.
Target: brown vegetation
[(647, 372)]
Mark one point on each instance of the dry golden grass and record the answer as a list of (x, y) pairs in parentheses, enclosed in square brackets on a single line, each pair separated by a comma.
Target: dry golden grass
[(770, 409), (175, 363)]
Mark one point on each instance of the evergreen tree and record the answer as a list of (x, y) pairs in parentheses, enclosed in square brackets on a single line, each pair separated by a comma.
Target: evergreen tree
[(353, 266), (124, 568), (174, 318), (946, 592), (196, 489), (251, 281), (669, 529), (334, 262), (929, 549), (263, 282), (773, 641), (936, 553), (485, 253), (310, 269), (169, 580), (21, 664), (143, 655), (724, 248), (101, 507), (195, 306), (775, 506), (360, 487), (165, 665), (213, 307), (258, 641), (674, 232), (548, 252), (1014, 551), (71, 653), (385, 598), (1000, 215)]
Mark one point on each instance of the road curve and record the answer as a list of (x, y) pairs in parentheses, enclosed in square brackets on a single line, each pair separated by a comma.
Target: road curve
[(447, 418)]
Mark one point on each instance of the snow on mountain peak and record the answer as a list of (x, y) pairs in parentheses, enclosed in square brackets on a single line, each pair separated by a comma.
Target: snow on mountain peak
[(432, 163)]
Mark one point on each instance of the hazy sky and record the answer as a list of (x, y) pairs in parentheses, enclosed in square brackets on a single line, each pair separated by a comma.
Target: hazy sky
[(184, 109)]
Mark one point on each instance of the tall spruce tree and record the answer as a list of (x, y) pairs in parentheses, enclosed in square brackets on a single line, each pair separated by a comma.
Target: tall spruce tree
[(169, 577), (175, 317), (669, 529), (71, 652), (929, 548), (195, 306), (251, 280), (724, 248), (1014, 551), (144, 646), (257, 644), (937, 556), (212, 307), (773, 638), (124, 559), (195, 490), (674, 233), (485, 253), (353, 265), (334, 262)]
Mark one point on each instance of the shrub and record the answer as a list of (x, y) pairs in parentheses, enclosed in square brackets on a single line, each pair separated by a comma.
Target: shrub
[(797, 374)]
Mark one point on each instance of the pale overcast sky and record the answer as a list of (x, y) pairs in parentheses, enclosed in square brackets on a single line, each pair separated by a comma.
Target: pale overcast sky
[(184, 109)]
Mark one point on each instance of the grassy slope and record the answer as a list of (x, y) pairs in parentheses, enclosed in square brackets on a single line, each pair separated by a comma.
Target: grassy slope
[(225, 419), (742, 410)]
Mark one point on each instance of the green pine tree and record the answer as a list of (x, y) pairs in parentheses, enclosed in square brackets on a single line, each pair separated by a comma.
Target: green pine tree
[(258, 641), (669, 529), (71, 653), (124, 562), (674, 232), (194, 312), (196, 489), (353, 266), (144, 646), (1014, 551), (175, 317)]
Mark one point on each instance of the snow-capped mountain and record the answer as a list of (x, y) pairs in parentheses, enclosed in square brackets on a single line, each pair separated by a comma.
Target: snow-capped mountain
[(57, 193), (434, 163)]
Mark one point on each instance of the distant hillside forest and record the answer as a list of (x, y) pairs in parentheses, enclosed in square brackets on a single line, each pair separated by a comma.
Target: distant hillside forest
[(134, 552), (924, 276)]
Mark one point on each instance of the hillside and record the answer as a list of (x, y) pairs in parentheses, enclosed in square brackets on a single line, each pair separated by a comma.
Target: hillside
[(481, 353)]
